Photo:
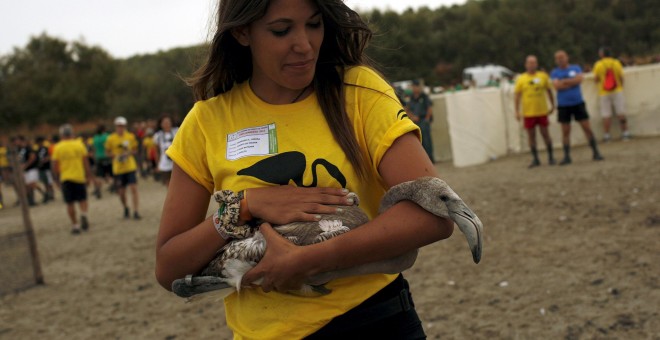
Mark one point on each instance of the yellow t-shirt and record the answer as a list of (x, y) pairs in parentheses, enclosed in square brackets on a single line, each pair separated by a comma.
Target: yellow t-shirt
[(533, 89), (148, 145), (70, 154), (4, 162), (236, 141), (600, 69), (122, 148)]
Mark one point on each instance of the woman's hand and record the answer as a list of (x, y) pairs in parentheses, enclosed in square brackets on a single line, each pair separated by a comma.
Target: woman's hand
[(286, 203), (283, 268)]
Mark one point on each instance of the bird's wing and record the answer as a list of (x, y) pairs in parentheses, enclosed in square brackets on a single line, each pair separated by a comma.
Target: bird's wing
[(250, 249)]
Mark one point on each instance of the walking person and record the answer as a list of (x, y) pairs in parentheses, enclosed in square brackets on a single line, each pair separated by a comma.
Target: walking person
[(29, 166), (608, 73), (102, 161), (121, 146), (420, 110), (163, 139), (532, 88), (5, 170), (71, 165), (44, 167), (566, 79)]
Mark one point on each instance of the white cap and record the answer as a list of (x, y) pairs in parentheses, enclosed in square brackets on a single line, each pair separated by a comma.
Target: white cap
[(120, 121)]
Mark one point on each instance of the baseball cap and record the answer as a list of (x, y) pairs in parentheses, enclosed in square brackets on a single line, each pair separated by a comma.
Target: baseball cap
[(120, 121)]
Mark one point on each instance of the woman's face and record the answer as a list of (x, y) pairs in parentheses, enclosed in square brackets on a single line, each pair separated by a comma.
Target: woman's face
[(285, 46), (166, 124)]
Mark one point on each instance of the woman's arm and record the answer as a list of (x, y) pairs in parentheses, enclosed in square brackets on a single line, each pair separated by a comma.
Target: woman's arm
[(402, 228), (186, 240)]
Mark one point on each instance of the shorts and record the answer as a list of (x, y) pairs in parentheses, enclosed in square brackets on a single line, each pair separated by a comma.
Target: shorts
[(31, 176), (103, 167), (126, 179), (577, 112), (608, 101), (531, 122), (74, 192)]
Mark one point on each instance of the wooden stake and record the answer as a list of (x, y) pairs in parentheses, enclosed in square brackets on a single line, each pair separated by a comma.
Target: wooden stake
[(19, 183)]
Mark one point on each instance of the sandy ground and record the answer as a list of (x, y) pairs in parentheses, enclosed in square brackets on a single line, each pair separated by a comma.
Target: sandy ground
[(570, 252)]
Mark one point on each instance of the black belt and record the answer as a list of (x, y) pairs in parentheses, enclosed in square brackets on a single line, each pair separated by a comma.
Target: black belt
[(393, 299)]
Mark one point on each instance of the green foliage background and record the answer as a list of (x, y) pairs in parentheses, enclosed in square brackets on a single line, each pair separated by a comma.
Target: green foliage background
[(54, 81)]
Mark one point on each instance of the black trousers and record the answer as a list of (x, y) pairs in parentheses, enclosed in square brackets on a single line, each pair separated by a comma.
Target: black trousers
[(388, 314)]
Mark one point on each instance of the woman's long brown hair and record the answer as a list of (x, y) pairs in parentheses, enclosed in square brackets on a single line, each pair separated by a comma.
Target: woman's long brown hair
[(345, 38)]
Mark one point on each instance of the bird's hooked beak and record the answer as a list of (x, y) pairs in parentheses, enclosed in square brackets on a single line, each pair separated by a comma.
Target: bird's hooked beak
[(469, 224)]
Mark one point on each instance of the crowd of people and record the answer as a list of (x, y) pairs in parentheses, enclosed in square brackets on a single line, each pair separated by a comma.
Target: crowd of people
[(72, 163)]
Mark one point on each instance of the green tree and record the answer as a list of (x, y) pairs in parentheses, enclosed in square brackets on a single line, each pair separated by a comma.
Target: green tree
[(150, 85), (52, 81)]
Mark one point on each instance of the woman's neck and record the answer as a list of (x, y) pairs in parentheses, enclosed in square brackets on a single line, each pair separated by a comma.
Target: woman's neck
[(278, 95)]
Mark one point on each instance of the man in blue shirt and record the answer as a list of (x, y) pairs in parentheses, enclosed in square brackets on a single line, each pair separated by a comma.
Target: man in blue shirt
[(566, 79)]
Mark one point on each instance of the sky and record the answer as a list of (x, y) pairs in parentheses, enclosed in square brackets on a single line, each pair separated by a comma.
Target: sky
[(129, 27)]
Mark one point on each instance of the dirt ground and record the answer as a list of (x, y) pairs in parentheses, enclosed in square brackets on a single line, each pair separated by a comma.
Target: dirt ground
[(570, 253)]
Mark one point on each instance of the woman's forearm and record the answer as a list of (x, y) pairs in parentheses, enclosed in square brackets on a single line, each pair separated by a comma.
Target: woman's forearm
[(400, 229), (187, 253)]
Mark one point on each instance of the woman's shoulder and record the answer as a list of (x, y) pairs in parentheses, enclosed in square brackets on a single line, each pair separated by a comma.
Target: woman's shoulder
[(212, 106), (365, 76), (207, 104), (366, 80)]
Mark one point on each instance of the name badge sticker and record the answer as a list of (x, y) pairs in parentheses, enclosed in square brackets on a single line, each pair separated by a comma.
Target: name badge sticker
[(253, 141)]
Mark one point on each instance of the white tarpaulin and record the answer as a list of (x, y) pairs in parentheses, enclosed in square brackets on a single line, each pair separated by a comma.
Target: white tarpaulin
[(476, 126), (482, 124)]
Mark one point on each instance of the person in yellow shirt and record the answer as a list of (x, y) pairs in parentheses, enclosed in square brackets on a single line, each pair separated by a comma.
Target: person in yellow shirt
[(121, 146), (4, 170), (533, 89), (288, 111), (608, 73), (150, 153), (71, 166)]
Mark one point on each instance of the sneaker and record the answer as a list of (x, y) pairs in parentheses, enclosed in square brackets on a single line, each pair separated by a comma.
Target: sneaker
[(97, 193), (84, 224), (598, 157), (534, 164), (75, 231), (552, 161), (565, 161), (626, 136), (607, 138), (136, 216), (127, 213)]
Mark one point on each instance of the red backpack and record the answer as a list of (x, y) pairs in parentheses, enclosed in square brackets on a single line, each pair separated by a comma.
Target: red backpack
[(609, 83)]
